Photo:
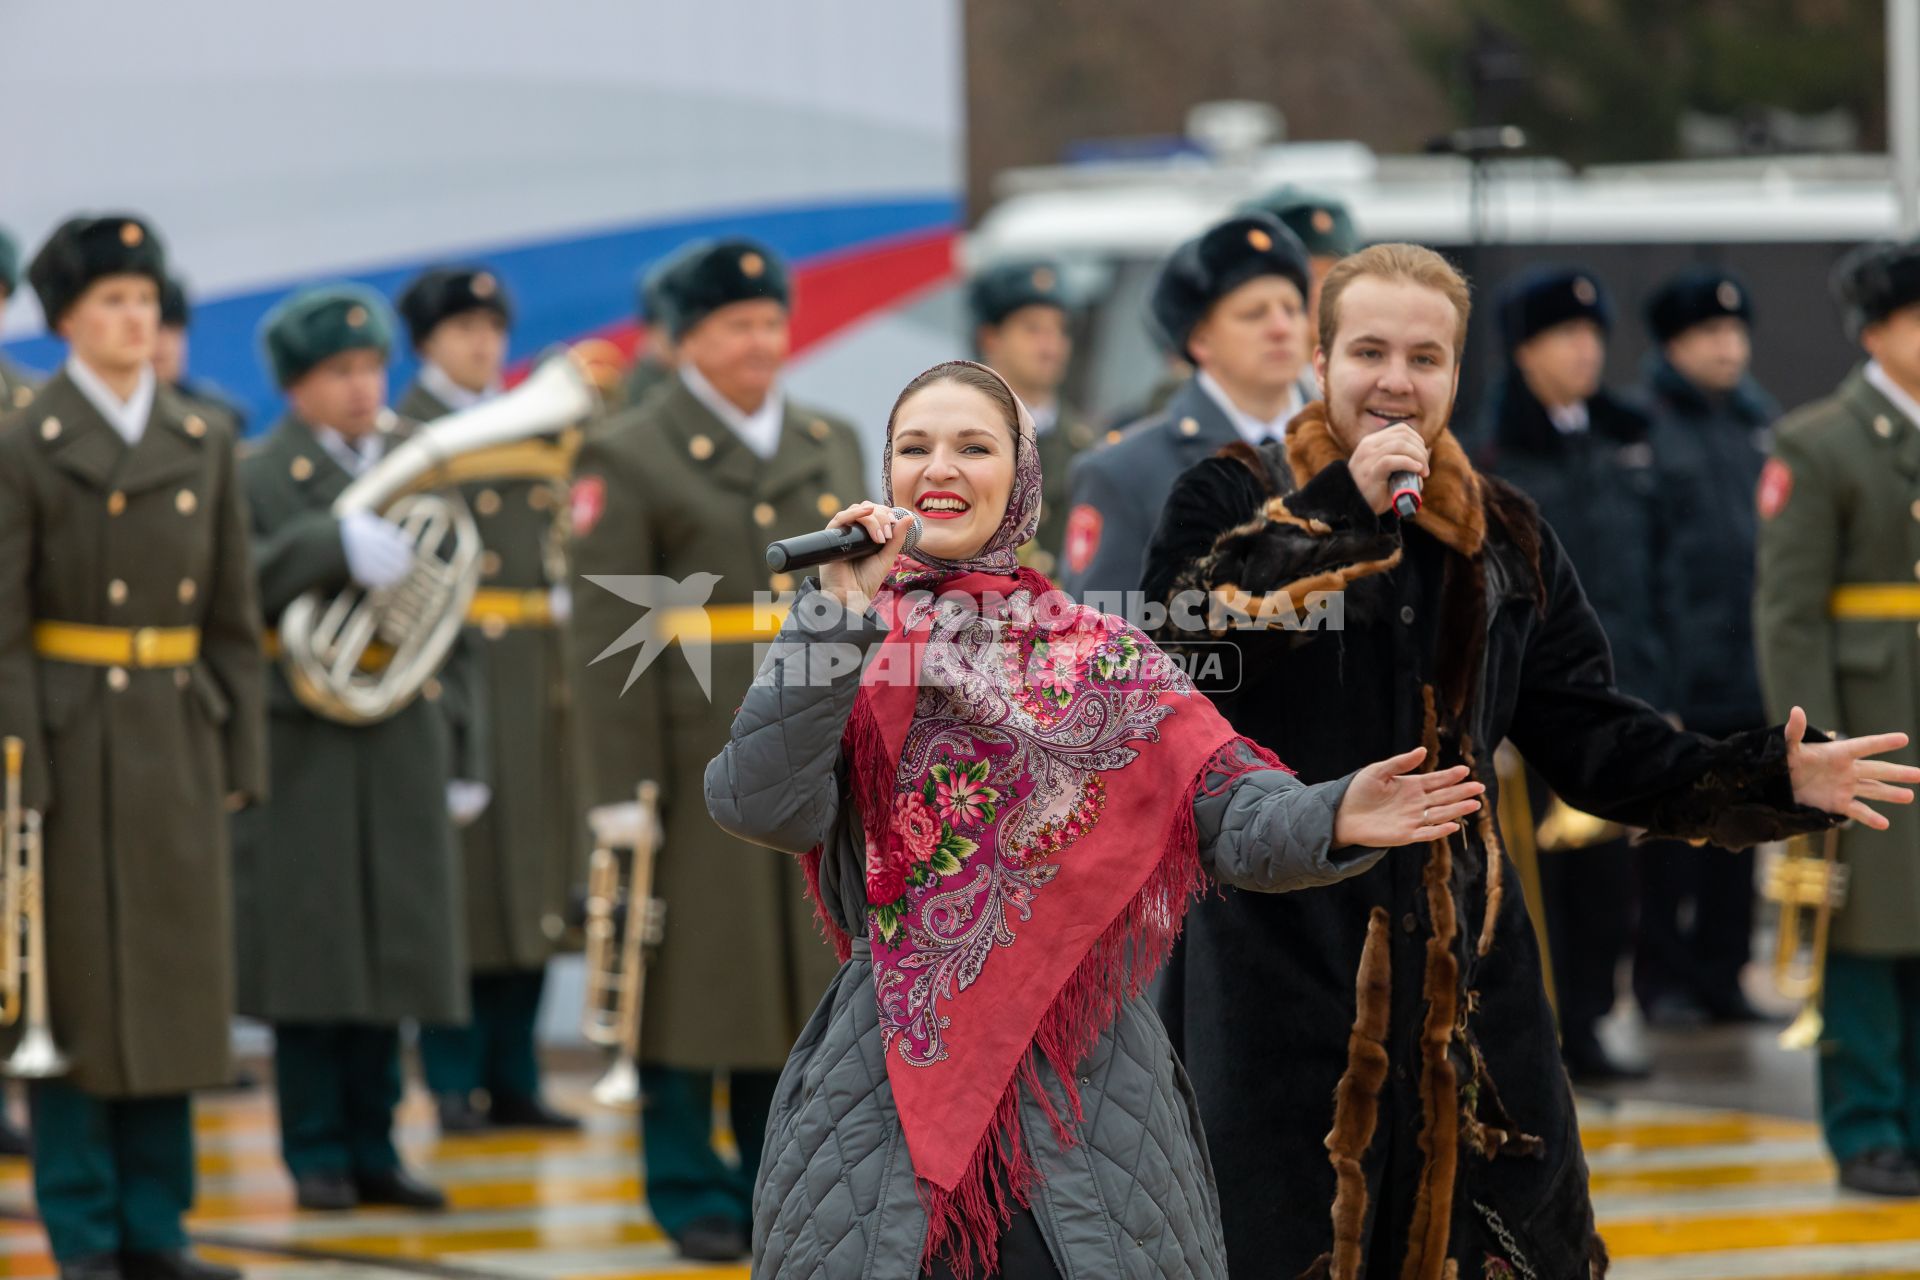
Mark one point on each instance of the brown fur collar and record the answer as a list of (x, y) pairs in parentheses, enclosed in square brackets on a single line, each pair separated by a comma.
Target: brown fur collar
[(1451, 508)]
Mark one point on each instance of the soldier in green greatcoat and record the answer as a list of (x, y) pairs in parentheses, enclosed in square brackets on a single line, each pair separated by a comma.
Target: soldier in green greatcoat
[(16, 384), (654, 358), (1022, 329), (170, 360), (525, 851), (350, 906), (1837, 618), (690, 487), (130, 666), (1325, 227)]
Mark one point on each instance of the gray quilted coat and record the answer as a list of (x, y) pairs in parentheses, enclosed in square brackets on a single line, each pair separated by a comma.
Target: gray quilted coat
[(835, 1198)]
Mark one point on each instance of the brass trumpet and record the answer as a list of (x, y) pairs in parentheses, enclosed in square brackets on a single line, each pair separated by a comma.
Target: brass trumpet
[(623, 920), (1799, 882), (23, 935)]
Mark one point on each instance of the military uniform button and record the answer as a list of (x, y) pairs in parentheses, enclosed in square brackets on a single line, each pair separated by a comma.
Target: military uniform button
[(431, 689), (117, 679), (763, 514), (701, 448), (1406, 614), (553, 926), (301, 469), (22, 397), (180, 678), (117, 503), (1883, 426), (828, 504), (540, 497), (188, 590), (195, 425), (1189, 426), (489, 563), (1408, 923), (493, 626), (819, 429), (117, 591), (186, 502), (487, 503), (50, 428)]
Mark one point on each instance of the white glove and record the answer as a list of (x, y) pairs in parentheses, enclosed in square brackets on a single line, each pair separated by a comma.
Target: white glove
[(467, 800), (619, 826), (378, 554), (560, 602)]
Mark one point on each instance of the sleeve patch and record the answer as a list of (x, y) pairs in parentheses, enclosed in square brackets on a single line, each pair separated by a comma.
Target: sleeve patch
[(1083, 536), (1776, 485), (587, 503)]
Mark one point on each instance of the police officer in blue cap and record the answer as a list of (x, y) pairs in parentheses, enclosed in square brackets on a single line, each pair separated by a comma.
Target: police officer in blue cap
[(1585, 457), (1234, 301)]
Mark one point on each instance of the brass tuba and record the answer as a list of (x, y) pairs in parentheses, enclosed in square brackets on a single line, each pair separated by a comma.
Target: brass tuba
[(23, 939), (361, 656), (624, 919), (1800, 883)]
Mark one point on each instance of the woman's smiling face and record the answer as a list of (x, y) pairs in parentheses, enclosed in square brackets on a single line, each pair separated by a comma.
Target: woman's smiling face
[(953, 466)]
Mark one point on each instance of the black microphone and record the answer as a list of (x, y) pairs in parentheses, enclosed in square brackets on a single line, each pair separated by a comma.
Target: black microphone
[(1405, 488), (848, 542)]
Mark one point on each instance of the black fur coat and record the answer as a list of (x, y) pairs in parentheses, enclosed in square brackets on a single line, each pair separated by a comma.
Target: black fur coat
[(1375, 1061)]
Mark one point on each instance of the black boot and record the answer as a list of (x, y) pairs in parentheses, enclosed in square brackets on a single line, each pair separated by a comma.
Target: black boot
[(1881, 1171), (398, 1187), (511, 1111), (458, 1114), (172, 1264), (713, 1239), (325, 1192)]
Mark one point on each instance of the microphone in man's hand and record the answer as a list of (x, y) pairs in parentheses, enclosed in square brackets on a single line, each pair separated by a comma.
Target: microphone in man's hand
[(1405, 488), (848, 542)]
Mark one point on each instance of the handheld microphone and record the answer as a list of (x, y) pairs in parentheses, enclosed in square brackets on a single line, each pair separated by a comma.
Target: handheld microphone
[(849, 542), (1405, 488)]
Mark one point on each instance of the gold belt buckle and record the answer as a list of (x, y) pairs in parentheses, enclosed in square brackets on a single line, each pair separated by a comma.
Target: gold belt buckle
[(146, 647)]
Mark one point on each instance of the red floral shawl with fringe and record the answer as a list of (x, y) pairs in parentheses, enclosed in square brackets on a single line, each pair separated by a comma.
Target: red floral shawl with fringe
[(1025, 770)]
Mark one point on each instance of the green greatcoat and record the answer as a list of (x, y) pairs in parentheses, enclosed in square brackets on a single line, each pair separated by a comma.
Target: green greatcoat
[(17, 387), (1850, 469), (668, 489), (1059, 446), (132, 767), (348, 883), (527, 850)]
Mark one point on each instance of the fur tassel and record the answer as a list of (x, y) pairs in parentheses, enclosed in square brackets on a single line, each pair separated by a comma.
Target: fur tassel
[(1495, 858), (1356, 1102), (1430, 1228)]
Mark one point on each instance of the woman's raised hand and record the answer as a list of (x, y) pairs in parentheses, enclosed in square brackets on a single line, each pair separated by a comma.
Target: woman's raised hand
[(1389, 805), (854, 582)]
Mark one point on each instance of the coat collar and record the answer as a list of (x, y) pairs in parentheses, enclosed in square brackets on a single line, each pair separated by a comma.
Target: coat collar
[(1452, 509), (1195, 424), (1747, 402), (1882, 421), (84, 444), (1521, 423), (298, 451), (169, 450), (718, 451), (420, 404)]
